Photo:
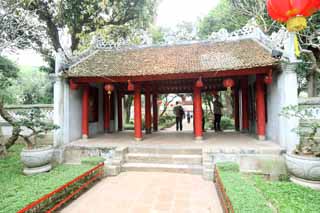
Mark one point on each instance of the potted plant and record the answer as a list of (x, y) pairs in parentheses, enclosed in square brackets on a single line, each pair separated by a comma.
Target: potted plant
[(304, 162), (36, 158)]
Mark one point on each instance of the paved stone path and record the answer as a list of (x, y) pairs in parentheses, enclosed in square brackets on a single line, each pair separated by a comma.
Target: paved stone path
[(149, 192)]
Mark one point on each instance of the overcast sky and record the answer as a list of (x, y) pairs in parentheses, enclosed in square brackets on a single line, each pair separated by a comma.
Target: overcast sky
[(172, 12), (169, 14)]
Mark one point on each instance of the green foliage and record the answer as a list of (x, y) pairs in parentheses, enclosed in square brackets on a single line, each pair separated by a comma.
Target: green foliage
[(166, 121), (35, 121), (32, 86), (244, 196), (18, 190), (157, 34), (222, 16), (93, 161), (253, 193), (8, 72), (287, 196), (231, 167), (227, 123)]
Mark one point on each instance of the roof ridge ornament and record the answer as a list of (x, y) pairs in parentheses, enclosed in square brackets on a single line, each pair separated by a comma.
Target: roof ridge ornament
[(277, 40)]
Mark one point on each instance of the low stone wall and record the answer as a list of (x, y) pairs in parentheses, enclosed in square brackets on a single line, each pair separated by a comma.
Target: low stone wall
[(269, 162), (312, 107)]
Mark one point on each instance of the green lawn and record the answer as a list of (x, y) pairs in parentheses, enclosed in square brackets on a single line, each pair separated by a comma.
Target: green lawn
[(253, 193), (18, 190)]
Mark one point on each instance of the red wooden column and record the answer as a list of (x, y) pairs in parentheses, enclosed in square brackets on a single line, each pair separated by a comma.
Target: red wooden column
[(120, 121), (137, 113), (107, 109), (260, 107), (85, 112), (245, 104), (148, 109), (197, 109), (236, 109), (155, 110)]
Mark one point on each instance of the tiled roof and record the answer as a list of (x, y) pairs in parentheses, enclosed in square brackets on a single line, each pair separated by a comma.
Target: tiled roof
[(172, 59)]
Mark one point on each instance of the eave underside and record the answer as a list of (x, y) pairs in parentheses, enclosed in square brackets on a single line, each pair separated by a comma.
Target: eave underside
[(175, 83)]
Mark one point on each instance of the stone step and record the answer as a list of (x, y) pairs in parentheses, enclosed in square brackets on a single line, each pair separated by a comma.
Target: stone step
[(165, 150), (156, 167), (164, 158)]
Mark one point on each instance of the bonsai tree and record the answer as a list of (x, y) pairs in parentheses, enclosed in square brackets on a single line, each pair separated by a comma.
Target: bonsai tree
[(35, 121), (309, 144)]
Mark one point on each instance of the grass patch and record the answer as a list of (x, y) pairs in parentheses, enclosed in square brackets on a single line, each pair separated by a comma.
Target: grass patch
[(253, 193), (243, 195), (288, 197), (93, 161), (18, 190)]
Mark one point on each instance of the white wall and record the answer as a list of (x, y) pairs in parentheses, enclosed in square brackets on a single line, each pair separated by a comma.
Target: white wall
[(75, 114), (283, 92)]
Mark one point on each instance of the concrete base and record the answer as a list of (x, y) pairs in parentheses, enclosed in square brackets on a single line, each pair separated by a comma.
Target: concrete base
[(138, 139), (261, 137), (198, 138), (112, 170), (307, 183), (84, 137), (37, 170)]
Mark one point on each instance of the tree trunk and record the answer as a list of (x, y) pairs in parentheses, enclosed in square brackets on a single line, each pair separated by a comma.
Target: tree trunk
[(313, 74), (312, 84), (16, 129)]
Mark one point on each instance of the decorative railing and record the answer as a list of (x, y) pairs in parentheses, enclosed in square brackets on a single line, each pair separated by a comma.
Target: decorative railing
[(46, 109), (57, 198), (224, 199)]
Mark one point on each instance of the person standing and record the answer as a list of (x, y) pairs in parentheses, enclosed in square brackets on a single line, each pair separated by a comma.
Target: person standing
[(217, 113), (188, 117), (179, 113)]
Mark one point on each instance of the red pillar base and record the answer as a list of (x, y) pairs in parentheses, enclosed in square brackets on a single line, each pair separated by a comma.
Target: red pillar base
[(138, 139), (84, 136), (261, 137), (198, 138)]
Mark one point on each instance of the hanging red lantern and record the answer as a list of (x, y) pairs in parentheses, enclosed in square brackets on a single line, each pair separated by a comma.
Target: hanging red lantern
[(268, 78), (292, 12), (199, 83), (109, 88), (228, 83), (130, 86)]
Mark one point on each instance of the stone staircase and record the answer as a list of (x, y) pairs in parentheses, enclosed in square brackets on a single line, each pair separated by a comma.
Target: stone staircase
[(163, 159)]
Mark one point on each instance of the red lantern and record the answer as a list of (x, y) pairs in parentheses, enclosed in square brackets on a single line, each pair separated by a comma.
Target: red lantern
[(292, 12), (109, 88), (199, 83), (130, 86), (228, 83)]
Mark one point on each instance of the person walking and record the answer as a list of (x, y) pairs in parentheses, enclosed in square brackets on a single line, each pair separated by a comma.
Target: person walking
[(188, 116), (217, 113), (179, 113)]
